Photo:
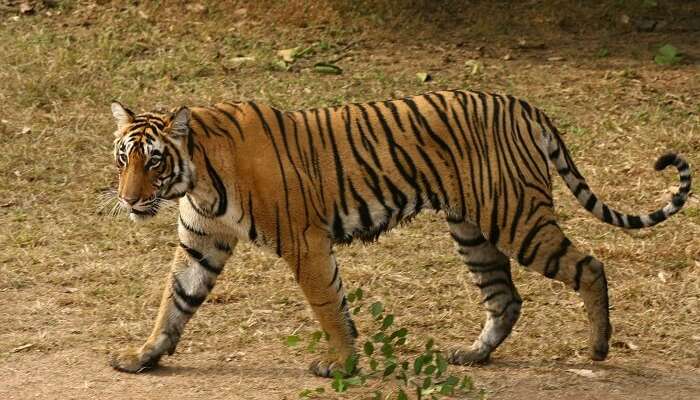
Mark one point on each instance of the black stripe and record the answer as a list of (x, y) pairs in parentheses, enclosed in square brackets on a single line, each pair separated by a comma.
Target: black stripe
[(395, 113), (180, 308), (191, 228), (551, 268), (522, 258), (335, 276), (657, 216), (368, 123), (397, 195), (634, 221), (406, 167), (351, 325), (678, 200), (468, 242), (436, 174), (436, 138), (252, 232), (201, 260), (363, 209), (591, 202), (494, 295), (520, 195), (278, 238), (581, 187), (338, 161), (500, 313), (196, 208), (223, 247), (205, 128), (280, 123), (193, 301), (607, 217), (218, 186), (554, 155), (339, 234), (493, 282), (232, 119), (579, 271), (495, 231), (618, 215), (443, 117)]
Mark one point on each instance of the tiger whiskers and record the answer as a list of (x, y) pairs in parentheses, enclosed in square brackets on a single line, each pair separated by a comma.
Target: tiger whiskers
[(108, 203)]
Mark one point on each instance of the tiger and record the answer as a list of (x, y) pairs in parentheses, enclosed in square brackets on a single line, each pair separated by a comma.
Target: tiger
[(298, 183)]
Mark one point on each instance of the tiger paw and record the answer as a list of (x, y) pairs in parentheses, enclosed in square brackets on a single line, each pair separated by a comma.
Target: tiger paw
[(133, 361), (325, 367), (467, 357), (599, 352)]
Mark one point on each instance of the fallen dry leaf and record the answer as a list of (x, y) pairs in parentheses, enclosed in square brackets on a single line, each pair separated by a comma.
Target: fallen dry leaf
[(625, 345), (198, 8), (288, 55), (587, 373), (26, 8), (22, 347)]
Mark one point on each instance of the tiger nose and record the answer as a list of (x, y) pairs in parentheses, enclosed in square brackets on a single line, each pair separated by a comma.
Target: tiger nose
[(129, 200)]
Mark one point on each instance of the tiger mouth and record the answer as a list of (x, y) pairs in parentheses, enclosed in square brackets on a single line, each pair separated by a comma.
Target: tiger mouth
[(143, 214), (146, 210)]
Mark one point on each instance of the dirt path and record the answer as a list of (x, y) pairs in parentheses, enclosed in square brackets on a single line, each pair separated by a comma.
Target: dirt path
[(80, 374)]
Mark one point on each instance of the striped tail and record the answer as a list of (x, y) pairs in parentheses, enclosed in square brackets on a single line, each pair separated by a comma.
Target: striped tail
[(561, 159)]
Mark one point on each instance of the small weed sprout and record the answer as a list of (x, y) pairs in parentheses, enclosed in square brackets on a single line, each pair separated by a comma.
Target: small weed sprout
[(423, 376)]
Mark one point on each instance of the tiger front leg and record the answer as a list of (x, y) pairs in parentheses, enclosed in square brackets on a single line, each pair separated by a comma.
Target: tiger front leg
[(195, 268), (322, 285)]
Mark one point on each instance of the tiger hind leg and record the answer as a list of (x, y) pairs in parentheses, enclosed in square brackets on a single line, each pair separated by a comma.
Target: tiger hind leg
[(490, 271), (552, 254)]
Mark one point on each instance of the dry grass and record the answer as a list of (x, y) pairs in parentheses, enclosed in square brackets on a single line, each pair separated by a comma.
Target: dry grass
[(71, 278)]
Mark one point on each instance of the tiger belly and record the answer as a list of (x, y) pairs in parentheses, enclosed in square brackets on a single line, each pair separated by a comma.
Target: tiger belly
[(369, 219)]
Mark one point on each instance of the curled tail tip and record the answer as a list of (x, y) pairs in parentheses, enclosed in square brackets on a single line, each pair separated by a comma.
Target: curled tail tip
[(671, 158), (679, 198), (665, 160)]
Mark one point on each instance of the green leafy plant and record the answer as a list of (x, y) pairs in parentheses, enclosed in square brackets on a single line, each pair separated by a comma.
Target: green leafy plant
[(424, 376), (603, 52), (667, 55), (327, 68)]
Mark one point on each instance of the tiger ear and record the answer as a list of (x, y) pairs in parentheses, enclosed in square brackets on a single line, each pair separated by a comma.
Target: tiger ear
[(122, 115), (179, 123)]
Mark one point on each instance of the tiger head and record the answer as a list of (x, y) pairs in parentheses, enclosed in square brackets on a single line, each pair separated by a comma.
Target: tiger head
[(151, 153)]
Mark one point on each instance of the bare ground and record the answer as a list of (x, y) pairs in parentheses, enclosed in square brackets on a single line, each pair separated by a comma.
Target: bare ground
[(77, 374), (76, 284)]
